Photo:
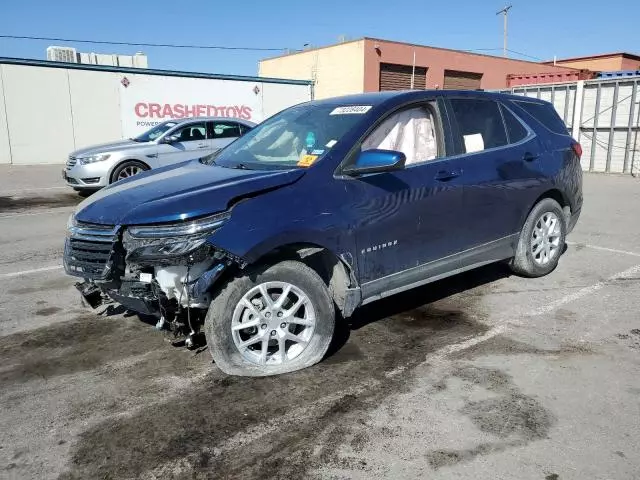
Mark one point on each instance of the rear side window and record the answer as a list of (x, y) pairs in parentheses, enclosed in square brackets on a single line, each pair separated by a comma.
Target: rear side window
[(515, 129), (546, 115), (226, 130), (479, 123)]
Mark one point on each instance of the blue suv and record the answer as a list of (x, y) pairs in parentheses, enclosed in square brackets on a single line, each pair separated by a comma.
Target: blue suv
[(326, 206)]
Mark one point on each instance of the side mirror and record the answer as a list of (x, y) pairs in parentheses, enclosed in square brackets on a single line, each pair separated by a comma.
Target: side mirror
[(170, 139), (374, 161)]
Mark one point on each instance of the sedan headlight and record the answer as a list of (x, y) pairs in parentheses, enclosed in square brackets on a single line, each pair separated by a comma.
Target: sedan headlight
[(161, 242), (93, 158)]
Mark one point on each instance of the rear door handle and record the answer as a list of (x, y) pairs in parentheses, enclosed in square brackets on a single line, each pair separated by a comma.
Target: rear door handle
[(529, 157), (444, 175)]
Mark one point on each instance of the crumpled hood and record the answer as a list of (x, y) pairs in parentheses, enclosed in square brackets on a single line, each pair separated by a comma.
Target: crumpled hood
[(110, 147), (177, 192)]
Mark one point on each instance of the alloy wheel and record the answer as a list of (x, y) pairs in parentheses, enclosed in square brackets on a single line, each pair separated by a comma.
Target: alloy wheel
[(273, 323), (545, 239)]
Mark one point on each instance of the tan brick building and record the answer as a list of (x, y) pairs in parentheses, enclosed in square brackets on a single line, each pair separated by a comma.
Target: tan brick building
[(607, 62)]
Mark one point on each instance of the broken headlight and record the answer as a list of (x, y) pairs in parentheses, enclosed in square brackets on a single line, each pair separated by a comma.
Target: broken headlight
[(170, 241)]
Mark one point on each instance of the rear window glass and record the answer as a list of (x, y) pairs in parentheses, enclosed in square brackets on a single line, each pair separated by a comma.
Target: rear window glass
[(480, 124), (515, 129), (546, 115)]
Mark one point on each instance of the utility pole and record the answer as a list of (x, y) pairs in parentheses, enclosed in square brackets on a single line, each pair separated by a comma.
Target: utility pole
[(505, 12)]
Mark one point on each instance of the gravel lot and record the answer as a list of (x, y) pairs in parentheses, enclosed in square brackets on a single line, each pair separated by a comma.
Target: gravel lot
[(481, 376)]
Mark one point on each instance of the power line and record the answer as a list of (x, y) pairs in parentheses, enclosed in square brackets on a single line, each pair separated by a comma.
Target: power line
[(206, 47), (525, 55), (135, 44)]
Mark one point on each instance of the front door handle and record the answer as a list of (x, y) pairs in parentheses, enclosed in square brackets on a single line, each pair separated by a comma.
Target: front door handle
[(444, 175), (529, 157), (202, 145)]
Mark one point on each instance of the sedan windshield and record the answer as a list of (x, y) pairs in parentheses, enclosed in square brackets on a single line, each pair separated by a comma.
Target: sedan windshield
[(155, 132), (296, 137)]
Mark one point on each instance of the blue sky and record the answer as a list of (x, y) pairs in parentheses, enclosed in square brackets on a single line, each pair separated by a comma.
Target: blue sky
[(541, 28)]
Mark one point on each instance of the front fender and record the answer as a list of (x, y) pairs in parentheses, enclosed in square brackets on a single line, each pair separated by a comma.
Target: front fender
[(251, 244)]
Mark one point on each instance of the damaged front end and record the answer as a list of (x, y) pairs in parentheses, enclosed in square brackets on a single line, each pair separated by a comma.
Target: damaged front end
[(162, 270)]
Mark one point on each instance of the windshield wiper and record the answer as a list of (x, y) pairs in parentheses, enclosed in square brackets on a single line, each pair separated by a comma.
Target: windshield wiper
[(241, 166)]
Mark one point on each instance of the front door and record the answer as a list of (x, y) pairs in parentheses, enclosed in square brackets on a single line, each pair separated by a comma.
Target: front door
[(409, 218), (191, 143)]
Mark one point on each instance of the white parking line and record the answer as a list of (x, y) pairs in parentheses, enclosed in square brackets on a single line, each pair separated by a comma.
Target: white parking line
[(28, 272), (604, 249), (627, 274), (456, 347)]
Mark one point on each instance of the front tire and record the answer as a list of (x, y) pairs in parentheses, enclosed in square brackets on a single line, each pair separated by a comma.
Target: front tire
[(269, 321), (542, 240)]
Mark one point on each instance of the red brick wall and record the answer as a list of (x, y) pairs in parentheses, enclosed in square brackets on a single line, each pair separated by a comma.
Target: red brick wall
[(494, 69)]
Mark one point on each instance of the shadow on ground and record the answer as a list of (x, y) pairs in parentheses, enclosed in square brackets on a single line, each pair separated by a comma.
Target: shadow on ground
[(230, 427), (15, 203)]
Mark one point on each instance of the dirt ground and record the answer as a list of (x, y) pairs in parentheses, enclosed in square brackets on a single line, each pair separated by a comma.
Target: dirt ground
[(480, 376)]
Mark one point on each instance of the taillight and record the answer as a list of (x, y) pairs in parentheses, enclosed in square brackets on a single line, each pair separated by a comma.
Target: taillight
[(577, 148)]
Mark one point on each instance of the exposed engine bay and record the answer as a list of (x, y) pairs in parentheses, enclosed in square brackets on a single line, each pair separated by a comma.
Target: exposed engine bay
[(164, 271)]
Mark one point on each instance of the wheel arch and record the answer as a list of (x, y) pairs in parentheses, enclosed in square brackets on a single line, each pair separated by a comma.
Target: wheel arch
[(120, 162), (553, 194), (335, 271)]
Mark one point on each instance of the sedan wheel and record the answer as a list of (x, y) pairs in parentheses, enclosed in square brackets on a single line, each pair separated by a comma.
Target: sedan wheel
[(129, 171)]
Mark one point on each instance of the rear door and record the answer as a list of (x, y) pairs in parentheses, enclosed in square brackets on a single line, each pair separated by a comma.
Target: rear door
[(192, 143), (223, 132), (406, 218), (501, 165)]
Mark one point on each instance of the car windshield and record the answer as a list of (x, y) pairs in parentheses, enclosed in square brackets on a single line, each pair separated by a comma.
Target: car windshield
[(155, 132), (294, 138)]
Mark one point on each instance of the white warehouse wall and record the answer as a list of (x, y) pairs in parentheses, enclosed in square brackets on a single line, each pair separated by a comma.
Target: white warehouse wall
[(277, 96), (51, 112), (5, 150), (95, 103), (38, 114)]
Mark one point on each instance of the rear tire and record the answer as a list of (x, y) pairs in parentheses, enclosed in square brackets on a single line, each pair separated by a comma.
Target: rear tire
[(303, 335), (128, 169), (542, 240)]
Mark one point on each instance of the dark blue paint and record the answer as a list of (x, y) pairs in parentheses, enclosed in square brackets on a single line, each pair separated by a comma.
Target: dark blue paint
[(385, 222)]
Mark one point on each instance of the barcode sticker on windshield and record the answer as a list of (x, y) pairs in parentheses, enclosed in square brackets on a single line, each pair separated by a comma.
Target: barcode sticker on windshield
[(351, 110)]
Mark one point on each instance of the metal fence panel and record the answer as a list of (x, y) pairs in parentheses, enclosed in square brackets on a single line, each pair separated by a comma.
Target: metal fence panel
[(609, 123)]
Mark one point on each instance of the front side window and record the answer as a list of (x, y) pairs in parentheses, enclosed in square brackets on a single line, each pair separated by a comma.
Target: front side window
[(191, 133), (479, 123), (155, 132), (410, 131), (295, 138)]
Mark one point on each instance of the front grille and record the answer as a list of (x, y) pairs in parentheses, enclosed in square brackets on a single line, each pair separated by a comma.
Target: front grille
[(71, 161), (90, 250)]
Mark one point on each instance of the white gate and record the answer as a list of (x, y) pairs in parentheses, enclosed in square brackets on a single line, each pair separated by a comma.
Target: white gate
[(603, 115)]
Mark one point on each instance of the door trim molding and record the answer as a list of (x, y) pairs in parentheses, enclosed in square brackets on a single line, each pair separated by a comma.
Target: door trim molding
[(478, 256)]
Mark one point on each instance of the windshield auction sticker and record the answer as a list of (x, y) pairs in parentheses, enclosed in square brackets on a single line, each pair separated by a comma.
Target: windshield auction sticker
[(351, 110), (307, 160)]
